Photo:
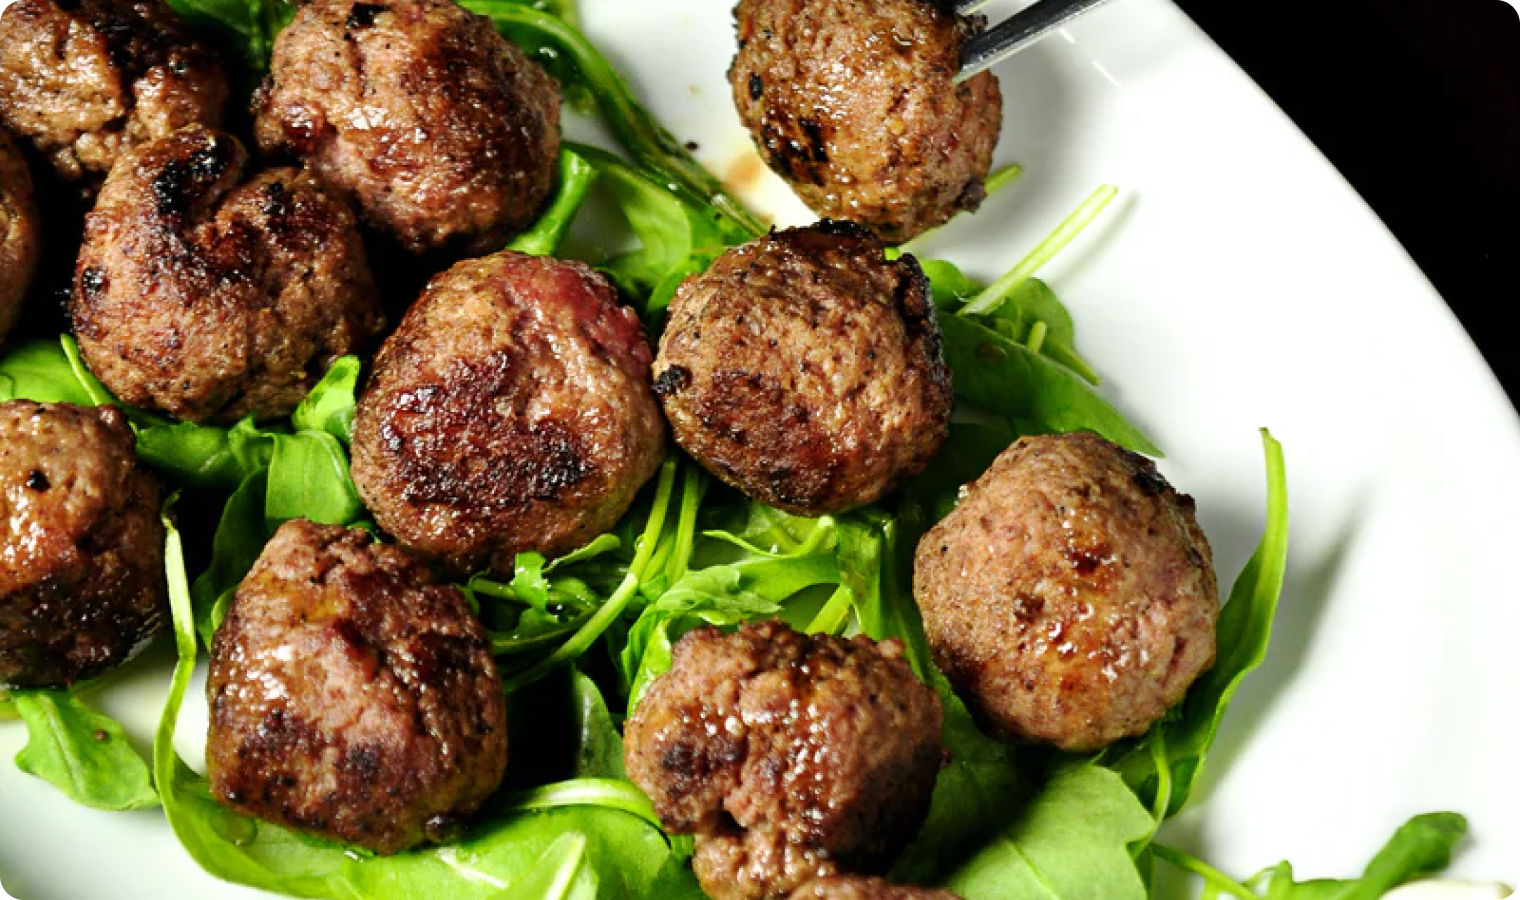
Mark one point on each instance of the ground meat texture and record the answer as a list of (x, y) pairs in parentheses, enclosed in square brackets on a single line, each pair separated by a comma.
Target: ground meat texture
[(210, 297), (442, 132), (511, 411), (852, 101), (1070, 597), (81, 545), (791, 757), (805, 369), (854, 887), (86, 80), (351, 696), (19, 233)]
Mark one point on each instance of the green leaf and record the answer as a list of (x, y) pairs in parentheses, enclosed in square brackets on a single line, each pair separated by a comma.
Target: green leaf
[(205, 456), (309, 478), (1422, 847), (576, 176), (41, 371), (81, 752), (1033, 309), (671, 225), (1243, 632), (1035, 394), (330, 405), (240, 538), (1071, 841)]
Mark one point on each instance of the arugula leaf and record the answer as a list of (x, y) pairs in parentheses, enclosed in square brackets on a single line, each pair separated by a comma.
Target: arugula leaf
[(309, 478), (610, 611), (670, 224), (240, 538), (330, 405), (576, 176), (205, 456), (41, 371), (1071, 841), (578, 64), (1244, 630), (1035, 394), (1421, 847), (81, 752)]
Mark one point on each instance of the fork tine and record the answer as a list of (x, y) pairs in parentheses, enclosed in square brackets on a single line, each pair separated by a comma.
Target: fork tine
[(1017, 32), (966, 7)]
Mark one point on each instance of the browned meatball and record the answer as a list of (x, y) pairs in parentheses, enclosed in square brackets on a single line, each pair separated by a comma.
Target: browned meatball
[(352, 696), (81, 544), (805, 369), (441, 131), (853, 887), (1071, 595), (210, 297), (510, 411), (19, 233), (86, 80), (791, 757), (852, 102)]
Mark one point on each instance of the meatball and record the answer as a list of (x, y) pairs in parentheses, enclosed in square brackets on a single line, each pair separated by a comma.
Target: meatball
[(853, 103), (19, 233), (86, 80), (352, 696), (805, 369), (437, 128), (791, 757), (210, 297), (511, 411), (81, 545), (853, 887), (1070, 597)]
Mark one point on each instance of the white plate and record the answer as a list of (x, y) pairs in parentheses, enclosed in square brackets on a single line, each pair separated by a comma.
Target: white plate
[(1241, 283)]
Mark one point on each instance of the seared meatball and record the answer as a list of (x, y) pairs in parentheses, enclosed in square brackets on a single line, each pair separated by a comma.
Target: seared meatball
[(510, 411), (86, 80), (81, 544), (805, 369), (852, 101), (437, 128), (19, 233), (352, 696), (210, 297), (853, 887), (791, 757), (1070, 596)]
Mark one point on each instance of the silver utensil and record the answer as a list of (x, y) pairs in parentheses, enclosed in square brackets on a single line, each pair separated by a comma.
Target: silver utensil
[(1016, 32)]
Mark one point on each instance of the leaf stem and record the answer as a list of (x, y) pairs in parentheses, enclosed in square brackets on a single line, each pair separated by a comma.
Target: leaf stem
[(605, 793), (1212, 877), (1036, 338), (990, 299), (604, 617), (831, 618)]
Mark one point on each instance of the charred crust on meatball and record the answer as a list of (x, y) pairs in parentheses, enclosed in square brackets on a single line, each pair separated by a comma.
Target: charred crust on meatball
[(352, 696), (86, 81), (806, 369), (81, 544), (512, 410), (443, 134), (211, 297), (1071, 596), (790, 756), (857, 108)]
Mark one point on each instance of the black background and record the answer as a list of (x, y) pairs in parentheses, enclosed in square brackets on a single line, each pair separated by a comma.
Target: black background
[(1417, 102)]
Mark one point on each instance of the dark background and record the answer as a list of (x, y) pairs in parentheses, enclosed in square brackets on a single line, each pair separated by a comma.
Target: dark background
[(1417, 102)]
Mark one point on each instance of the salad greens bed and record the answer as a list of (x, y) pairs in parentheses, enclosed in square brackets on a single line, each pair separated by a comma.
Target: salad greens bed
[(579, 639)]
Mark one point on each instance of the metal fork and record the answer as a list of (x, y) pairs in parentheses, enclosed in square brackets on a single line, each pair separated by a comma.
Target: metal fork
[(1016, 32)]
